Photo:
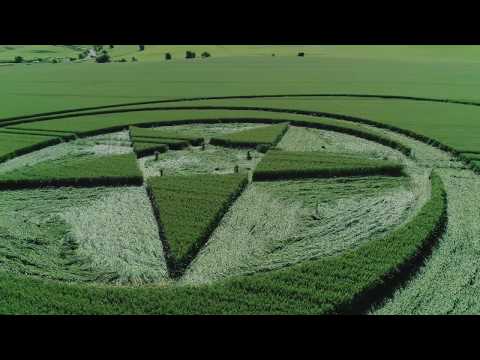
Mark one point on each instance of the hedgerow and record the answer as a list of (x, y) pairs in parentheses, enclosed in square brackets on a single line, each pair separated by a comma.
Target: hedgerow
[(266, 136), (188, 208), (278, 164), (84, 171)]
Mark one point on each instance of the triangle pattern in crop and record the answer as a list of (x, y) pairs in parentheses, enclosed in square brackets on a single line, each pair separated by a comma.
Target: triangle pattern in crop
[(188, 209)]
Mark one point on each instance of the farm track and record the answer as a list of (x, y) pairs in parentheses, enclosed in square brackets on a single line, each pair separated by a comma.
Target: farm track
[(435, 159)]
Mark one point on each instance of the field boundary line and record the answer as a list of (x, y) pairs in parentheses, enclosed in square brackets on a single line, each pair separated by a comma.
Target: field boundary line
[(233, 97), (322, 114)]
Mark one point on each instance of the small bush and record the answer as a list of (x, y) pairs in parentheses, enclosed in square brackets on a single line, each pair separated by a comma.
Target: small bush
[(111, 46), (105, 58), (122, 60), (301, 54), (134, 59), (18, 59), (190, 55), (206, 54), (168, 56), (141, 47)]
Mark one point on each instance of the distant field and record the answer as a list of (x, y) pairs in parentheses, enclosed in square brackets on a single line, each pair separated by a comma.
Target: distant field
[(48, 87), (30, 52)]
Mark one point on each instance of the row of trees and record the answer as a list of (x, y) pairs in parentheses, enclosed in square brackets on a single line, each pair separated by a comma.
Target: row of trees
[(105, 57), (189, 55)]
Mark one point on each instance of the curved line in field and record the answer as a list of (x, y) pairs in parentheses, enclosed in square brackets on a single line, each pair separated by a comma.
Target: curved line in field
[(364, 300), (234, 97), (337, 116), (412, 134)]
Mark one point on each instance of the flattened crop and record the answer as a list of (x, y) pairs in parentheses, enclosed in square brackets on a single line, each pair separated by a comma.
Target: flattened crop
[(188, 208)]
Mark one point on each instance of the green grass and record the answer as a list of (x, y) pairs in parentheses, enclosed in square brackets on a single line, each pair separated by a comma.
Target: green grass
[(87, 123), (278, 164), (12, 145), (31, 52), (444, 72), (470, 156), (82, 171), (157, 52), (188, 208), (266, 135), (67, 136), (164, 134)]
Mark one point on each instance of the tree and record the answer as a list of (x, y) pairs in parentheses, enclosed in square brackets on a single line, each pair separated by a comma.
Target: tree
[(104, 58), (18, 59), (190, 55), (141, 47), (81, 56), (122, 60), (301, 54), (168, 56), (54, 61), (134, 59), (105, 52), (111, 46), (205, 54)]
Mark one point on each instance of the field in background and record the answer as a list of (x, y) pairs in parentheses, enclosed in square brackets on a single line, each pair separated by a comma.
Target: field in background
[(408, 71)]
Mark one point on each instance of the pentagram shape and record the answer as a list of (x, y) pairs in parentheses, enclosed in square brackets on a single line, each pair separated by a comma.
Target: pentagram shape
[(190, 200)]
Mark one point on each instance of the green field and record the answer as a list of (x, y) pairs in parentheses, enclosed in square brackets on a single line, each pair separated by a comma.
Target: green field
[(31, 52), (278, 164), (365, 201), (82, 171)]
